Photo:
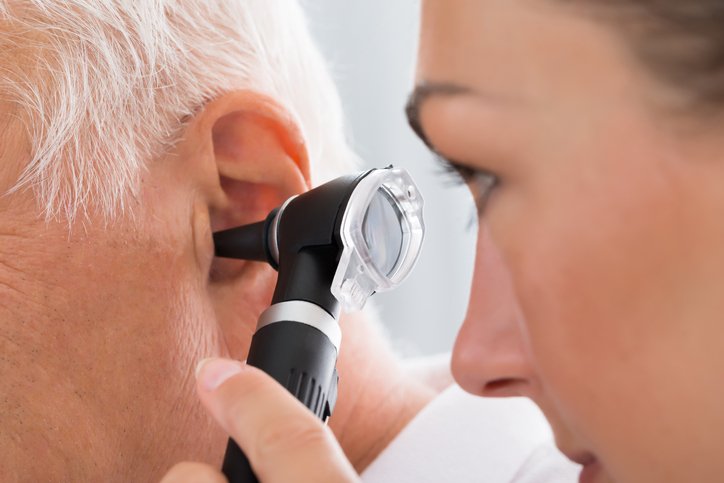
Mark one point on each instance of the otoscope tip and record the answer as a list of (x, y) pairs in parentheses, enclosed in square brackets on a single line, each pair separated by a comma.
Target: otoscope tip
[(246, 242)]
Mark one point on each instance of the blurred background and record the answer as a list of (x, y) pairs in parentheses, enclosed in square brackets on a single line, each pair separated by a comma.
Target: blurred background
[(371, 47)]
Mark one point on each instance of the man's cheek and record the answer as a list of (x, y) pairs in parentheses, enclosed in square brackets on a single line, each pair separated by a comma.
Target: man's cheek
[(194, 324)]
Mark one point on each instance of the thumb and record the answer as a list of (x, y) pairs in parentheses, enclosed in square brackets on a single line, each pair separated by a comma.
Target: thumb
[(283, 440)]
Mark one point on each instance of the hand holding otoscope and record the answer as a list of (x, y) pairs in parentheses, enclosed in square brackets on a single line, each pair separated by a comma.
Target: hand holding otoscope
[(334, 245)]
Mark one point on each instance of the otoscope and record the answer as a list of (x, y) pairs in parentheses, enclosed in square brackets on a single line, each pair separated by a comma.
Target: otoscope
[(333, 247)]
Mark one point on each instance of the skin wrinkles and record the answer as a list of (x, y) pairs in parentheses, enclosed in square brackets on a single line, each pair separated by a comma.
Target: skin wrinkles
[(9, 273), (16, 280), (60, 290), (28, 307), (105, 364)]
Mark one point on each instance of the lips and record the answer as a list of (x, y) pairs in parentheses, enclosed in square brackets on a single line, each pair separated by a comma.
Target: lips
[(590, 472), (591, 468), (571, 447)]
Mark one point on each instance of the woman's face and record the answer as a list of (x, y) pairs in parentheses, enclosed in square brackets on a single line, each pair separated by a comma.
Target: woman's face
[(599, 281)]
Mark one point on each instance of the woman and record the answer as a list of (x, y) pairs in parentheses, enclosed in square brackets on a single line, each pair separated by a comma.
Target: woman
[(589, 134)]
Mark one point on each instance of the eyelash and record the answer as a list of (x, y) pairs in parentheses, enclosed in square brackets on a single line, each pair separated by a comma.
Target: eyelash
[(481, 182)]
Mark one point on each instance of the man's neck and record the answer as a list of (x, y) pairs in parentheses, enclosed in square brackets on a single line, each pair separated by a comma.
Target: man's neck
[(376, 398)]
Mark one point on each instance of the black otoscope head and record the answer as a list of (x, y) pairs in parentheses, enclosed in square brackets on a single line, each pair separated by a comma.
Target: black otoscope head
[(300, 239), (339, 242)]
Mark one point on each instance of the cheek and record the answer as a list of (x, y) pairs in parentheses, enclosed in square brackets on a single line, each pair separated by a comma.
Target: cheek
[(139, 320), (583, 266), (155, 319), (161, 304), (176, 328), (590, 259)]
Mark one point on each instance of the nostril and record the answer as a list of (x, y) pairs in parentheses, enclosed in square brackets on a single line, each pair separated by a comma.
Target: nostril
[(506, 387)]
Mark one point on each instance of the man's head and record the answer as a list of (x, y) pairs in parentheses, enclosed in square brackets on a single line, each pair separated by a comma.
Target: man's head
[(131, 131)]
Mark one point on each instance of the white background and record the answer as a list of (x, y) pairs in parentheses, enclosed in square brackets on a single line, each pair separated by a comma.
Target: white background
[(371, 46)]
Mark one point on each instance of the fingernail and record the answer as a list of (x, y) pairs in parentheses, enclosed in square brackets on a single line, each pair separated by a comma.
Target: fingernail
[(213, 372)]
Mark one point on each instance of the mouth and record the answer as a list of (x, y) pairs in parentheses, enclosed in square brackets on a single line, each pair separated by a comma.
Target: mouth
[(590, 466)]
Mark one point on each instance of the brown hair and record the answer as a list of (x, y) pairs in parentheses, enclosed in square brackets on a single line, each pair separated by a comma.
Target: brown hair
[(681, 41)]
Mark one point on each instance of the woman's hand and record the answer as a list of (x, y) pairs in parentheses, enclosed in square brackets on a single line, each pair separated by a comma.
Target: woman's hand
[(283, 440)]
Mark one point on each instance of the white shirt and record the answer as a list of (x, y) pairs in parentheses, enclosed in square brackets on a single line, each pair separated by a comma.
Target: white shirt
[(462, 438)]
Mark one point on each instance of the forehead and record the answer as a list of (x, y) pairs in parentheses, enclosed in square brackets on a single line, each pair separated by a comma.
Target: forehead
[(527, 48)]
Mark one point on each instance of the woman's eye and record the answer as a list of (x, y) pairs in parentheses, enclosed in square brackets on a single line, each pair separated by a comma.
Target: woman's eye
[(480, 182)]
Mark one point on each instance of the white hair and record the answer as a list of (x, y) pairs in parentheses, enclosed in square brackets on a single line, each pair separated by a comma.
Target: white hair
[(104, 86)]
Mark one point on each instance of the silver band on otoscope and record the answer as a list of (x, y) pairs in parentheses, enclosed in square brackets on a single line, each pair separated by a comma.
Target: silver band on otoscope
[(304, 313)]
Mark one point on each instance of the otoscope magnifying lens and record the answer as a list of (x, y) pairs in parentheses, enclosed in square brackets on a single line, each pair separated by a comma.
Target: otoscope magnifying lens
[(382, 231)]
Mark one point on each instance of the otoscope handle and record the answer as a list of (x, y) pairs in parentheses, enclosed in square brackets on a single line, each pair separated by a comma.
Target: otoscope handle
[(302, 359)]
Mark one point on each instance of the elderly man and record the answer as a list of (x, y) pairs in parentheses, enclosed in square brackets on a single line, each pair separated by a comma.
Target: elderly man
[(131, 131)]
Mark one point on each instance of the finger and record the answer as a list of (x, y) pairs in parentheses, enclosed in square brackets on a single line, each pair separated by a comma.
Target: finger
[(283, 440), (193, 473)]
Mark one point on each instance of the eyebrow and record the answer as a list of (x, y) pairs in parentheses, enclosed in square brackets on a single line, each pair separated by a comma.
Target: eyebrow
[(423, 92)]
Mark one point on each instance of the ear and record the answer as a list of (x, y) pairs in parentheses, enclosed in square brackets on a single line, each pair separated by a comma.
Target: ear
[(257, 156), (248, 156)]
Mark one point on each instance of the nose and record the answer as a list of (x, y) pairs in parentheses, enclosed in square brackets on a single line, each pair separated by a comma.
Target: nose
[(491, 357)]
